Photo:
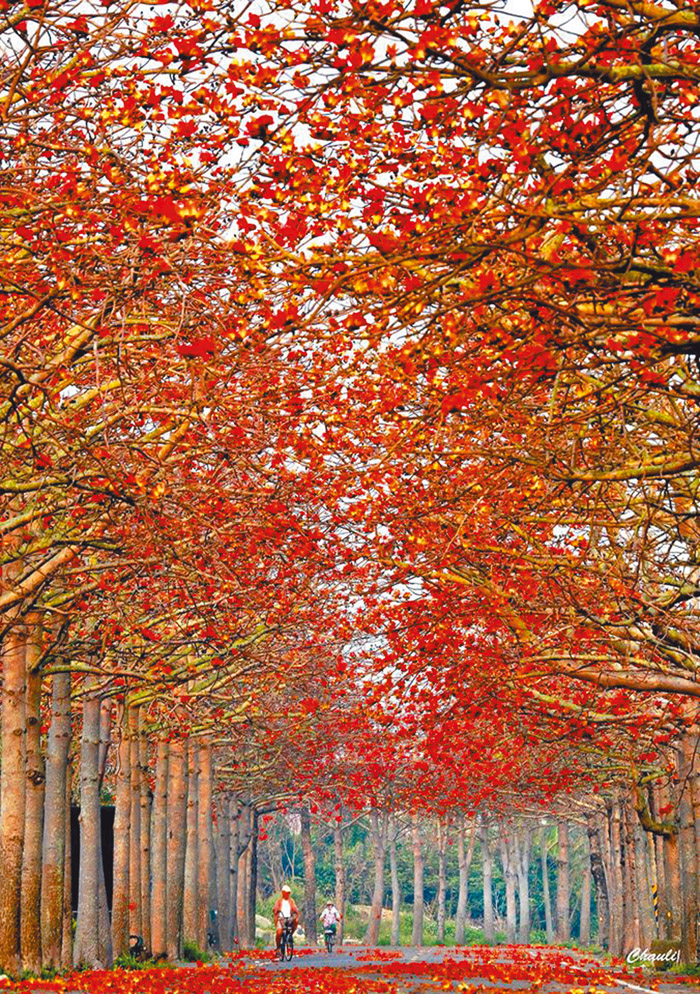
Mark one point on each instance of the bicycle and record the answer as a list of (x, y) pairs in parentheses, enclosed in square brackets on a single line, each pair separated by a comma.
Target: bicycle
[(329, 937), (286, 946)]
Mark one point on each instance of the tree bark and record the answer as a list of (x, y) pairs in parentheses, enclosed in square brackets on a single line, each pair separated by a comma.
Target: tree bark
[(205, 842), (658, 874), (339, 874), (189, 911), (687, 758), (464, 859), (177, 794), (546, 898), (395, 885), (617, 906), (442, 879), (105, 737), (223, 869), (235, 814), (253, 878), (12, 794), (563, 882), (643, 844), (145, 827), (243, 895), (245, 828), (598, 875), (509, 876), (159, 846), (92, 947), (378, 833), (135, 908), (418, 890), (695, 803), (30, 912), (309, 905), (122, 822), (67, 915), (522, 841), (631, 903), (487, 872), (584, 931), (56, 821)]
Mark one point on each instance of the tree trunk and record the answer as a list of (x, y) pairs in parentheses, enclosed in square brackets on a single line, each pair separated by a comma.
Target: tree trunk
[(546, 898), (206, 842), (67, 915), (245, 824), (12, 794), (464, 859), (695, 803), (122, 821), (135, 910), (658, 875), (105, 737), (56, 821), (243, 892), (563, 883), (145, 827), (235, 815), (687, 758), (177, 794), (378, 832), (522, 841), (189, 912), (30, 912), (395, 885), (223, 870), (253, 878), (339, 875), (418, 892), (584, 931), (487, 868), (617, 906), (159, 846), (309, 906), (214, 909), (598, 875), (92, 947), (643, 844), (631, 903), (442, 879), (507, 862)]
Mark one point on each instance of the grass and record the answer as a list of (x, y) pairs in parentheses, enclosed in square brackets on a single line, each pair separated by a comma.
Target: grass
[(128, 962), (191, 953)]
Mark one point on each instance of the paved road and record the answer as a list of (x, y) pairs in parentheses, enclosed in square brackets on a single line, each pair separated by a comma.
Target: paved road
[(479, 967)]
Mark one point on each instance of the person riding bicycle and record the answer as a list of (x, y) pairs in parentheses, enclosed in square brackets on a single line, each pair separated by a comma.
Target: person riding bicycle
[(330, 916), (284, 909)]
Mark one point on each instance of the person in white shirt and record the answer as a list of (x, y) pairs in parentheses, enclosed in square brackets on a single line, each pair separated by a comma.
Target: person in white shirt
[(330, 916), (285, 908)]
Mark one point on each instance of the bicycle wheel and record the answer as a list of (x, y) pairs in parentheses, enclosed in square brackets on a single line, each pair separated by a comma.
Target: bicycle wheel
[(290, 947), (281, 950), (329, 942)]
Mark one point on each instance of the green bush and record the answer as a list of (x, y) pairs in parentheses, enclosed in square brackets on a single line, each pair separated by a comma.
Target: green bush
[(191, 953), (128, 962)]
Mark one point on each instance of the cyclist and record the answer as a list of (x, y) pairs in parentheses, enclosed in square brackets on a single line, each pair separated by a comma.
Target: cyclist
[(284, 908), (330, 916)]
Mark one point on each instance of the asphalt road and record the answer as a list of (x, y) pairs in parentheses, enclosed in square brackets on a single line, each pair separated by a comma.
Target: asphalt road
[(474, 969)]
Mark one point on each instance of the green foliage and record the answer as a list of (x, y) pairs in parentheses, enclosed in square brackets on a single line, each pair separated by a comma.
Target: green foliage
[(280, 860), (128, 962), (686, 969), (191, 953)]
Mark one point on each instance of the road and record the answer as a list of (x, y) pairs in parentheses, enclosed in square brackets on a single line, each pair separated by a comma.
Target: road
[(479, 970)]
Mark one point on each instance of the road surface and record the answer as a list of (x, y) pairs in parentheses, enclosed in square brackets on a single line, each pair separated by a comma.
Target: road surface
[(479, 970)]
